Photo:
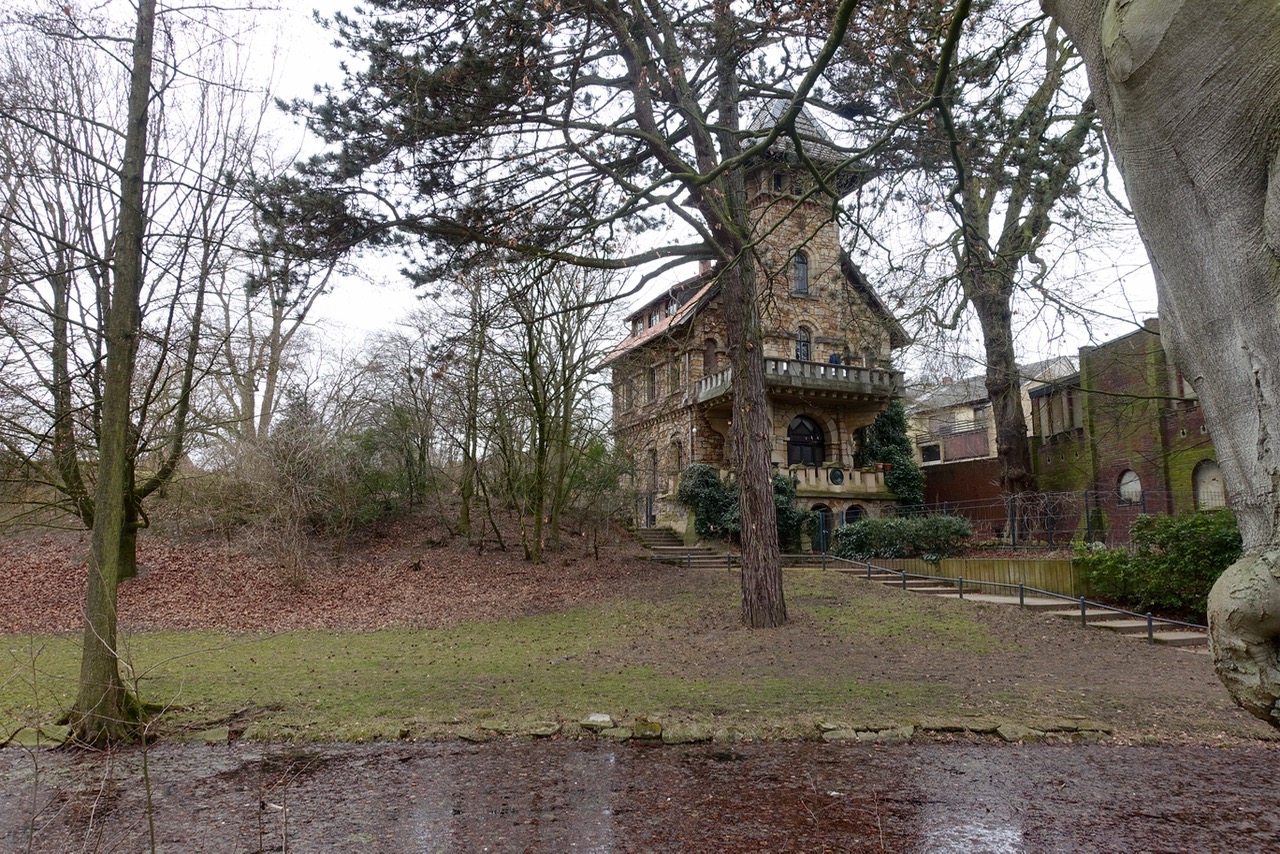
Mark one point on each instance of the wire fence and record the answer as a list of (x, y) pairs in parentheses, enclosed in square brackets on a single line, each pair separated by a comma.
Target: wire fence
[(1057, 519)]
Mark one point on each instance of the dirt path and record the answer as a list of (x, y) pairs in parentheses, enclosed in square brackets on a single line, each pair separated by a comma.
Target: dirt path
[(595, 796)]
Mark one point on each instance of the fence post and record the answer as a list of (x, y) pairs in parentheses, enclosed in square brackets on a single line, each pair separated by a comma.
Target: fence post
[(961, 580), (1151, 633), (868, 572), (688, 560), (1084, 620), (824, 561), (1022, 595), (904, 579), (728, 561)]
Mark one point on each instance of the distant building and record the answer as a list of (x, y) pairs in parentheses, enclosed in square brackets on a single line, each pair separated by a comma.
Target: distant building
[(1128, 431), (828, 345), (955, 436)]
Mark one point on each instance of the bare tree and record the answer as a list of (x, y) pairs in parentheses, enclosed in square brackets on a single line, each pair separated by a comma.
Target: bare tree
[(118, 216), (1000, 154)]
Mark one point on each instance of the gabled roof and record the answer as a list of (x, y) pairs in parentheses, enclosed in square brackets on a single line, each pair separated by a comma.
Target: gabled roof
[(690, 295), (898, 336)]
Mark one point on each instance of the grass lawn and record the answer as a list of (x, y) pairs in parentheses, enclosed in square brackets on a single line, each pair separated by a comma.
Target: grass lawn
[(852, 653)]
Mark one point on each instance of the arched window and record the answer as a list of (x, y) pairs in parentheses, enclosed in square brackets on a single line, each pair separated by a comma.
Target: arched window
[(709, 358), (1206, 481), (1130, 487), (804, 344), (800, 274), (806, 444), (854, 513)]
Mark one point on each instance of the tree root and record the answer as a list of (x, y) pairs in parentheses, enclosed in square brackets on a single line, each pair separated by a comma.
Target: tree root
[(1244, 632)]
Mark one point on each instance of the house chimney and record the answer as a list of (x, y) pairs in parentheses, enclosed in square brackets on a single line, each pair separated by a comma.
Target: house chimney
[(704, 267), (947, 381)]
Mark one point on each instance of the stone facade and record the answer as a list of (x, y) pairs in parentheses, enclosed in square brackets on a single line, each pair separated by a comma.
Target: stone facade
[(828, 340)]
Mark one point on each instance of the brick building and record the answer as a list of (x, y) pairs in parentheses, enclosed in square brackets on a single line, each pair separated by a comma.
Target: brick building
[(955, 436), (827, 350), (1128, 432)]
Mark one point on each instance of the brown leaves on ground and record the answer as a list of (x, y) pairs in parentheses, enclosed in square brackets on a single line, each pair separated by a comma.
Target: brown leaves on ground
[(201, 583)]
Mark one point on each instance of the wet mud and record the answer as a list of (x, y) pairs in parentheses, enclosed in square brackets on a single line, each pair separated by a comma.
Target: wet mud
[(553, 796)]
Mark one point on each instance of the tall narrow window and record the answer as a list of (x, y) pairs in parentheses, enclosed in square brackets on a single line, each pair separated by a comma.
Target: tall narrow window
[(1130, 488), (800, 274), (804, 344), (710, 361), (653, 385)]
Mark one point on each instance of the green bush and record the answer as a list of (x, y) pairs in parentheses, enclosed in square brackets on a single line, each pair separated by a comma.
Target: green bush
[(930, 537), (715, 506), (1172, 563), (887, 440)]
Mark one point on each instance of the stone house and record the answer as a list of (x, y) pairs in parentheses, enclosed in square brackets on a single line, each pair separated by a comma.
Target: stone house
[(828, 347)]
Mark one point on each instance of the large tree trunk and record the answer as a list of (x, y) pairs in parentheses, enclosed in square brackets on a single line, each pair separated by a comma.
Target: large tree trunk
[(749, 433), (1190, 96), (104, 710), (1004, 389)]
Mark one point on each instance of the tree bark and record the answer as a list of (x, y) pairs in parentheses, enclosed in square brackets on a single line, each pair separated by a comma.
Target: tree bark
[(763, 605), (1189, 93), (104, 710)]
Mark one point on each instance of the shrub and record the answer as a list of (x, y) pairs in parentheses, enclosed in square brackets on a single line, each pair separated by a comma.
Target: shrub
[(930, 537), (887, 440), (1172, 563), (715, 506)]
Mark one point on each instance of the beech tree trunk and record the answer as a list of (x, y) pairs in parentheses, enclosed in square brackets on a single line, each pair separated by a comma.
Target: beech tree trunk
[(104, 710), (1189, 93)]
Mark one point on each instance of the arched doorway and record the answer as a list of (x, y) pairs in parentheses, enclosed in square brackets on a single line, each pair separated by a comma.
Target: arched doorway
[(806, 443)]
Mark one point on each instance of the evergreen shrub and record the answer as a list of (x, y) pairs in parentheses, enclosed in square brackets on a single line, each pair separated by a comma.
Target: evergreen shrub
[(1170, 566), (932, 537)]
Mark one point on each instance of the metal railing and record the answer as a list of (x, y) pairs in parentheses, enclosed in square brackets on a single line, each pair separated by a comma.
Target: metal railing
[(1023, 590)]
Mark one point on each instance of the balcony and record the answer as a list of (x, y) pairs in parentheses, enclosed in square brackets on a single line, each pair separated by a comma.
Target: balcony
[(791, 377)]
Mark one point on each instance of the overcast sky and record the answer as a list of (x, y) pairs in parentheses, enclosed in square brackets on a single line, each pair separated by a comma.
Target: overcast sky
[(1120, 286)]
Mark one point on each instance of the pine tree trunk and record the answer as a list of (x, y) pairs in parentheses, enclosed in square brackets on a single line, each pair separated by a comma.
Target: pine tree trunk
[(763, 605)]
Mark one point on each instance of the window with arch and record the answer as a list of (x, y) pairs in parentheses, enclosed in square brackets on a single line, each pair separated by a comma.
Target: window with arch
[(806, 443), (710, 358), (1206, 482), (800, 274), (1130, 487), (854, 513), (804, 344)]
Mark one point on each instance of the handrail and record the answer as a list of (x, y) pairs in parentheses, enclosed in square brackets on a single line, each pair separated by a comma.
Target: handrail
[(1021, 588)]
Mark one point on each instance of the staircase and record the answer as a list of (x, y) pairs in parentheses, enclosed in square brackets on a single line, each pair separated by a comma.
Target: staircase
[(1161, 631), (667, 547)]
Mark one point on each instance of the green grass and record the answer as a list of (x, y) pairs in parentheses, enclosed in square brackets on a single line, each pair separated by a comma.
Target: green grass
[(680, 659)]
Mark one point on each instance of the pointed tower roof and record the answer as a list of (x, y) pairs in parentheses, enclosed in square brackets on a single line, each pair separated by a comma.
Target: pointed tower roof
[(815, 141)]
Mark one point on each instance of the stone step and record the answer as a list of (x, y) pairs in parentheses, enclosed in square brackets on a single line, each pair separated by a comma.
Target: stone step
[(1128, 626), (1091, 615), (922, 585), (1029, 603), (1185, 638)]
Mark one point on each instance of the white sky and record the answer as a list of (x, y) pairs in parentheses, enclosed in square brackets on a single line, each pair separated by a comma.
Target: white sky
[(1120, 288)]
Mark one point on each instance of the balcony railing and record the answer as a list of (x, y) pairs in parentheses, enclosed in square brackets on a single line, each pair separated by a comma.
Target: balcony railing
[(793, 372)]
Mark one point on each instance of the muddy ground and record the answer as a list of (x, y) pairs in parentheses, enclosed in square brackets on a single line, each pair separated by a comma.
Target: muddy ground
[(553, 796)]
